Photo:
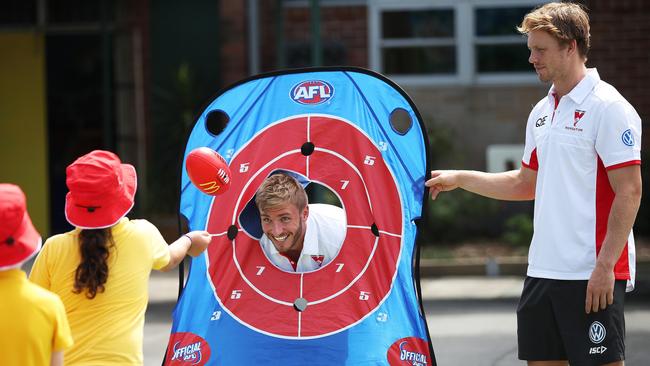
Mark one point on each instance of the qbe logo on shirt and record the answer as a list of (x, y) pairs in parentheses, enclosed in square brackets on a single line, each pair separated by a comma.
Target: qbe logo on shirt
[(312, 92)]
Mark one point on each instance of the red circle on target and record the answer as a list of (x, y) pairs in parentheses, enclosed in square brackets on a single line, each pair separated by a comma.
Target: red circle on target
[(344, 291)]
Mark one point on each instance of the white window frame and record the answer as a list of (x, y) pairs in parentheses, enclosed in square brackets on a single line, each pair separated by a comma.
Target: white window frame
[(464, 38)]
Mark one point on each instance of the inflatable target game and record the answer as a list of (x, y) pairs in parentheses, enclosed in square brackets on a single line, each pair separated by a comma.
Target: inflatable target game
[(355, 134)]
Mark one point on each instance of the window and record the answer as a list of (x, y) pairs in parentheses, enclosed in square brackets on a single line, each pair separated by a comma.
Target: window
[(450, 42), (418, 42), (498, 45)]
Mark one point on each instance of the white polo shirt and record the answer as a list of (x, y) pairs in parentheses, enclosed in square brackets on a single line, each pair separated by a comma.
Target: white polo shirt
[(572, 145), (324, 235)]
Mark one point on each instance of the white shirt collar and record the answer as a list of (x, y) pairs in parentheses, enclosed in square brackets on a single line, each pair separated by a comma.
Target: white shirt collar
[(580, 91)]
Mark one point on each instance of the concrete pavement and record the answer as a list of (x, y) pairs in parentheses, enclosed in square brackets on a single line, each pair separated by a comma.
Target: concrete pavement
[(471, 319)]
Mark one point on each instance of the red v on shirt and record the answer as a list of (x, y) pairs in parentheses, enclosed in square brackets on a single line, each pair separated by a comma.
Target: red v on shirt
[(577, 115), (318, 259)]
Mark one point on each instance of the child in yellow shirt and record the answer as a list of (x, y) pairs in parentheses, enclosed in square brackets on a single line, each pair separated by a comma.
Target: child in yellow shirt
[(32, 320)]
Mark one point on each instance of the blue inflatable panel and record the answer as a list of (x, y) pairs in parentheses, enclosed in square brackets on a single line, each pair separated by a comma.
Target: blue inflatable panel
[(330, 126)]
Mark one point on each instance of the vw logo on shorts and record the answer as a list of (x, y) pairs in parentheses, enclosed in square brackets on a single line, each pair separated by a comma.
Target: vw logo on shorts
[(628, 138), (597, 332)]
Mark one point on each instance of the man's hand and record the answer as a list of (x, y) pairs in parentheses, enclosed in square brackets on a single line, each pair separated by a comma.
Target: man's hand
[(442, 181), (600, 289)]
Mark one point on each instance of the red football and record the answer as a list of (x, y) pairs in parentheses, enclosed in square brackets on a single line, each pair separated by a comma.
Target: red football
[(208, 171)]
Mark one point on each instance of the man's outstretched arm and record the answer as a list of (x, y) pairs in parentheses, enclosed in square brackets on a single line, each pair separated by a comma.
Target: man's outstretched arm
[(514, 185)]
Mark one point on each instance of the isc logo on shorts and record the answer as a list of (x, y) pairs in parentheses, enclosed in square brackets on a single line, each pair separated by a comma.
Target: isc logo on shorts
[(597, 334), (597, 350), (312, 92)]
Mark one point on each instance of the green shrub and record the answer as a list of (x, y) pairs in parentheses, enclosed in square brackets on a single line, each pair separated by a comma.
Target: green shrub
[(458, 216), (518, 230)]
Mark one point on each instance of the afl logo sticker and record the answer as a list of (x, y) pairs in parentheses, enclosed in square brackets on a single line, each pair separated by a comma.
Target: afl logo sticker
[(312, 92), (597, 332), (628, 138), (187, 349), (410, 351)]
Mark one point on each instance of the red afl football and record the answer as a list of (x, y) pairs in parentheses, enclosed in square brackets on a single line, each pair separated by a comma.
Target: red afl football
[(208, 171)]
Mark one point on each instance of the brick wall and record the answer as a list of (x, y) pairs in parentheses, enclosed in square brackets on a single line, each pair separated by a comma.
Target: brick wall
[(233, 39), (343, 31), (620, 40)]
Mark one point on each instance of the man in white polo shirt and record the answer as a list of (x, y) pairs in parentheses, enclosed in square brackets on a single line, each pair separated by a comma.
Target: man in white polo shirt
[(581, 165), (298, 237)]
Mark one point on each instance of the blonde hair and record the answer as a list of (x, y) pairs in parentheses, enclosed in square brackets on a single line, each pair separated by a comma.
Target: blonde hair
[(278, 189), (564, 21)]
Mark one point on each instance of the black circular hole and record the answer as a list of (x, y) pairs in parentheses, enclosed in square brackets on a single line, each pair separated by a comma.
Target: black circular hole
[(401, 120), (307, 148), (232, 232), (300, 304), (216, 121), (374, 229)]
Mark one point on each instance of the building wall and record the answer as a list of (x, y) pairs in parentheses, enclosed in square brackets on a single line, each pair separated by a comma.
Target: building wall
[(233, 60), (23, 147), (342, 28), (472, 118), (476, 116), (620, 37)]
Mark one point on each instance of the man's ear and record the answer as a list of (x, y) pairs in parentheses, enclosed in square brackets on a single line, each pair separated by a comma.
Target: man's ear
[(305, 213), (572, 46)]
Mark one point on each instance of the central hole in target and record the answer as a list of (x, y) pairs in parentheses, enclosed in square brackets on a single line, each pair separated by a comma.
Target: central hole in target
[(326, 218)]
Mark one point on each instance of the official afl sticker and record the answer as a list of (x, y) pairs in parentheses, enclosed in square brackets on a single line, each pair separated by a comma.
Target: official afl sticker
[(628, 138), (312, 92), (597, 332), (185, 349), (410, 351)]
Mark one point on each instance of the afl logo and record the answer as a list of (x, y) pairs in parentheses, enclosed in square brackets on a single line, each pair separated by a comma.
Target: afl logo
[(597, 332), (312, 92), (412, 351), (628, 138), (187, 349)]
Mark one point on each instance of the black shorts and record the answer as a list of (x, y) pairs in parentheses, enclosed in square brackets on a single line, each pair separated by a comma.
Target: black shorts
[(552, 324)]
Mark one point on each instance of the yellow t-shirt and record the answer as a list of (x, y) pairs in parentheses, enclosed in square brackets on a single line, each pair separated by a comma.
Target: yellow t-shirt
[(32, 322), (108, 329)]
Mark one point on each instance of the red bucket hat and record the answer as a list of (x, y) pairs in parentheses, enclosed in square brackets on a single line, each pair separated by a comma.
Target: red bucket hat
[(102, 190), (19, 240)]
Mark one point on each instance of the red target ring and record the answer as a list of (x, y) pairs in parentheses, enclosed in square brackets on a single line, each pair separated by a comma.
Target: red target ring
[(335, 153)]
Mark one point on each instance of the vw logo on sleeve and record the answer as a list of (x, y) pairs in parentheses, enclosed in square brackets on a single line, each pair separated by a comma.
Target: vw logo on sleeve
[(628, 138)]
